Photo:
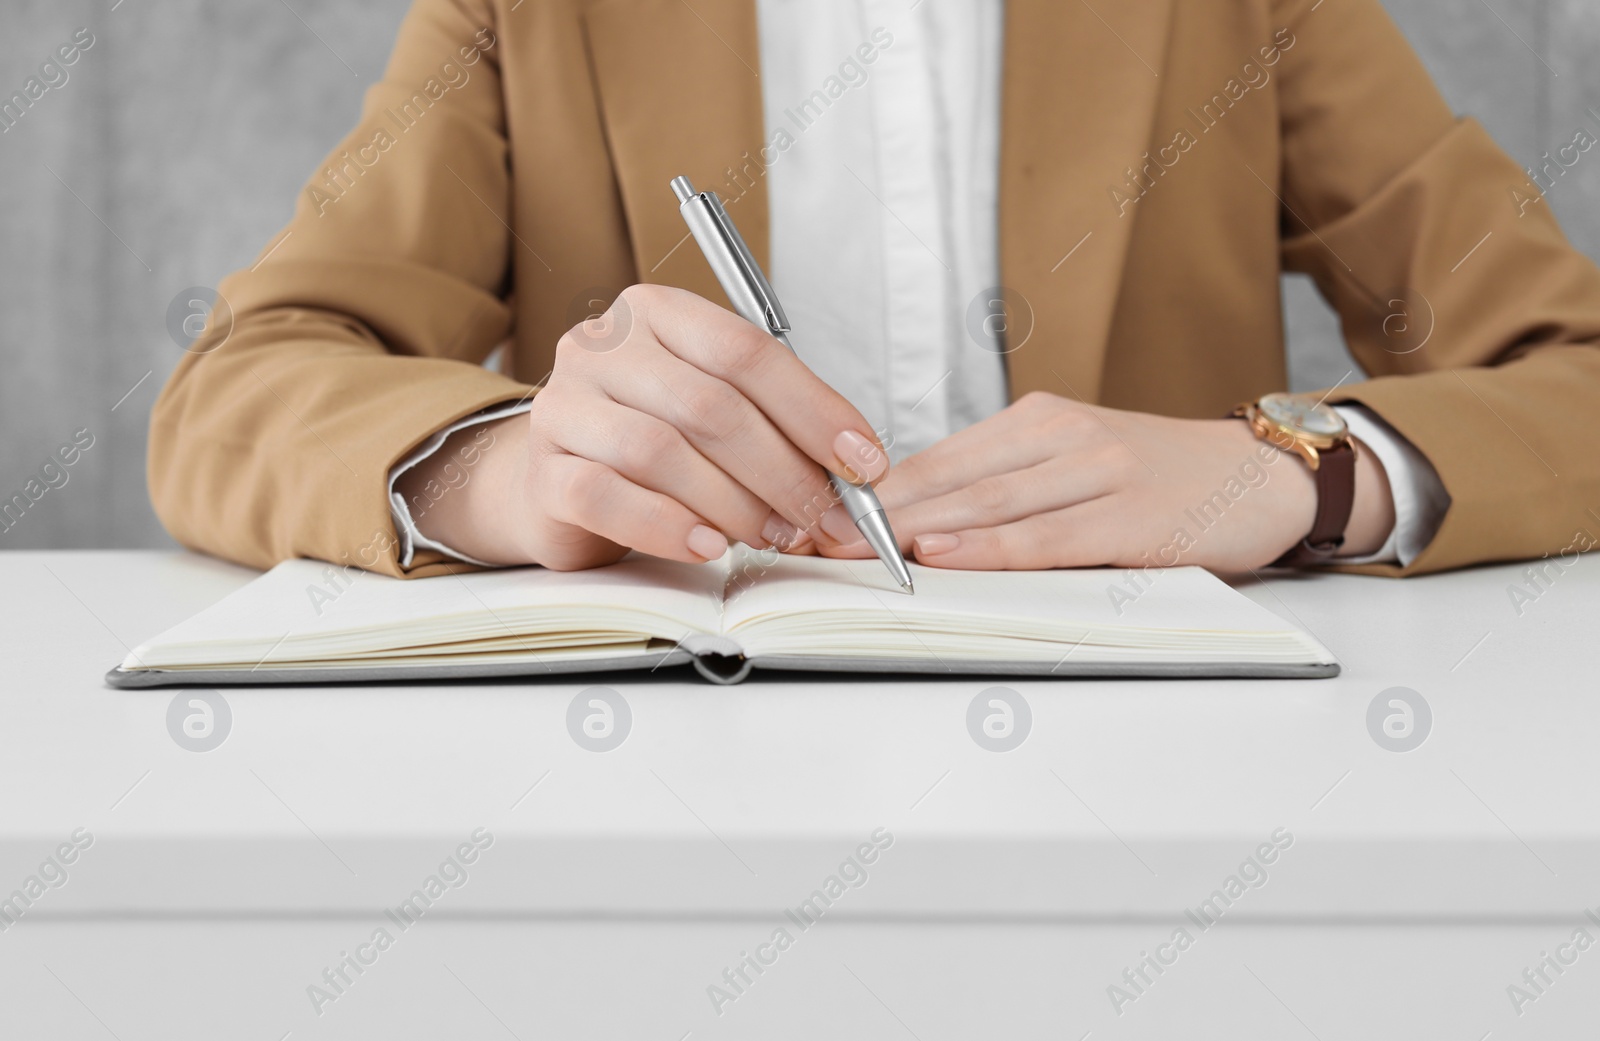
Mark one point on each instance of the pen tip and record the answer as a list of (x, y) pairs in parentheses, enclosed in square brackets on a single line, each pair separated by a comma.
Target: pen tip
[(908, 589)]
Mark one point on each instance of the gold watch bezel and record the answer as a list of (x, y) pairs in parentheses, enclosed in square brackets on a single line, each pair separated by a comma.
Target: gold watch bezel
[(1306, 445)]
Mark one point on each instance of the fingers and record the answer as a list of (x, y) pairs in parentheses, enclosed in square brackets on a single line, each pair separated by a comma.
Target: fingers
[(1006, 441), (723, 426), (987, 502), (592, 497), (1078, 536), (656, 456), (985, 449), (809, 413), (707, 413)]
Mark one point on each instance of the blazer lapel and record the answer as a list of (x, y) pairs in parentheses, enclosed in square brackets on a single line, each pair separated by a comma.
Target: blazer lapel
[(1079, 96), (680, 92)]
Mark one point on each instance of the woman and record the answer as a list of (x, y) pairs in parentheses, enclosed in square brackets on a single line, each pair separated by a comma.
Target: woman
[(1031, 255)]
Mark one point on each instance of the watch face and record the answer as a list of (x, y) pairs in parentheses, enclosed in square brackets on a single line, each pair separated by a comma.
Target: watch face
[(1302, 415)]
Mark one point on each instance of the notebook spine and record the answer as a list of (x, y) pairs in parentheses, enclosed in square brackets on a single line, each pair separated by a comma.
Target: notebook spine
[(725, 669)]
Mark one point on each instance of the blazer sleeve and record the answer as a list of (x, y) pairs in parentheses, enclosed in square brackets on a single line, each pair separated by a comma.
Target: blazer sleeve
[(362, 326), (1476, 321)]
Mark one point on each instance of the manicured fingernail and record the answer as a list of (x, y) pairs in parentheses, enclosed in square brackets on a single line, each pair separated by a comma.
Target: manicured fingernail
[(933, 545), (707, 542), (779, 533), (837, 524), (865, 459)]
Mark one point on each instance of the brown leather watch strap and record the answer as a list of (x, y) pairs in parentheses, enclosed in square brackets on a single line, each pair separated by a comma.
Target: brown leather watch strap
[(1336, 495)]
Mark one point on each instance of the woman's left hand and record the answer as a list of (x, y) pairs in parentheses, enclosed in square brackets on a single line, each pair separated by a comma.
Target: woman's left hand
[(1050, 482)]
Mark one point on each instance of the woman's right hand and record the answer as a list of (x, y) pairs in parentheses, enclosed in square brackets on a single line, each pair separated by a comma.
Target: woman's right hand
[(669, 425)]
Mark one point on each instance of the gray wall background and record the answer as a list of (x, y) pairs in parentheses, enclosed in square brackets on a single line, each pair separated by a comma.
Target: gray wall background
[(176, 148)]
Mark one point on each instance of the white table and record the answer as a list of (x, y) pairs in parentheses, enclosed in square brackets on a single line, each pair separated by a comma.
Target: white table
[(620, 885)]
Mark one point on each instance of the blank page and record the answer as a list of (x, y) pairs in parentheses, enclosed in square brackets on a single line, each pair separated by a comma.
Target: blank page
[(279, 616), (801, 605)]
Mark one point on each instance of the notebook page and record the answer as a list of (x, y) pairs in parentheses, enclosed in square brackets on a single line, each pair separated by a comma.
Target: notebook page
[(305, 610), (812, 605)]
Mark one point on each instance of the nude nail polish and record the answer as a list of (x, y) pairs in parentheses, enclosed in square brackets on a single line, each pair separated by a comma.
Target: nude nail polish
[(933, 545), (865, 459), (707, 542)]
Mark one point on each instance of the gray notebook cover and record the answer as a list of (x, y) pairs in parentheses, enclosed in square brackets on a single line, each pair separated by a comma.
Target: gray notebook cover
[(717, 668)]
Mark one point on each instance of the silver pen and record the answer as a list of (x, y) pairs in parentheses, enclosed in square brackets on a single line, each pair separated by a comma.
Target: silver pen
[(752, 296)]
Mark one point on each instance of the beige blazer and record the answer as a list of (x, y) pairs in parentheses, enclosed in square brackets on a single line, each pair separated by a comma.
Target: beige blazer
[(515, 159)]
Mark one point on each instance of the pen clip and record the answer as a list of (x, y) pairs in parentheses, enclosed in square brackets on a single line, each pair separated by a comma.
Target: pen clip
[(750, 273), (777, 321)]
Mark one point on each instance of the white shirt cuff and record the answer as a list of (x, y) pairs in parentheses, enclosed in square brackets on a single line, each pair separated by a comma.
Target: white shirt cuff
[(1420, 499), (411, 539)]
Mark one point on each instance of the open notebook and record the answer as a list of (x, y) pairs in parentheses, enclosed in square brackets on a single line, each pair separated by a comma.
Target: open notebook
[(306, 622)]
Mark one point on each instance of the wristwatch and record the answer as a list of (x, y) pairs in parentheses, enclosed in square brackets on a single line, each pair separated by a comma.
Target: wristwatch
[(1316, 433)]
